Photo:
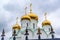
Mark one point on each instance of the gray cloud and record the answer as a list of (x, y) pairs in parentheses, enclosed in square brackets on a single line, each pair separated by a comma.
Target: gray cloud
[(13, 8), (42, 5), (46, 5), (39, 6), (50, 6)]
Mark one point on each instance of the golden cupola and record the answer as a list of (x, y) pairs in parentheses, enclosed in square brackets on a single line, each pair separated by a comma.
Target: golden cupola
[(25, 17), (32, 15), (16, 26), (46, 22)]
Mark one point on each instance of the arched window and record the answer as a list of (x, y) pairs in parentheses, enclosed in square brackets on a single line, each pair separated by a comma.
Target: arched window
[(49, 29), (27, 24), (33, 25)]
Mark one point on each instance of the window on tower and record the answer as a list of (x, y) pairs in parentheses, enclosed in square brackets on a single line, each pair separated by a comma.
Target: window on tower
[(33, 25), (49, 29), (27, 24)]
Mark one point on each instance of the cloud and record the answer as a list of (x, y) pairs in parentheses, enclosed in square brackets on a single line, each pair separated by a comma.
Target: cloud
[(13, 8), (9, 9), (46, 5), (54, 19)]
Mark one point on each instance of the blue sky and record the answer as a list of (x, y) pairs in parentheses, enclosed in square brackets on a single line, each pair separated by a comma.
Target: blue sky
[(10, 9)]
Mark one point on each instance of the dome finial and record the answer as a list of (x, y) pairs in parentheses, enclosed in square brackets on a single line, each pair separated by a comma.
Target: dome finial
[(45, 22), (30, 7), (25, 10), (16, 26), (16, 20), (45, 15)]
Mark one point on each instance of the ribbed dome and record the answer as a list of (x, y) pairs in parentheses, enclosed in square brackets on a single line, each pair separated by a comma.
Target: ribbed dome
[(46, 22), (25, 17), (16, 26), (33, 16)]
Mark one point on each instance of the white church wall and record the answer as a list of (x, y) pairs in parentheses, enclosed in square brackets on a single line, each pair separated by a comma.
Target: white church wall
[(24, 23), (35, 22)]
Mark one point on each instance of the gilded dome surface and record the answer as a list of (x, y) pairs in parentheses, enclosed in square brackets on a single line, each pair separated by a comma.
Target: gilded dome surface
[(33, 16), (16, 26), (46, 22), (26, 17)]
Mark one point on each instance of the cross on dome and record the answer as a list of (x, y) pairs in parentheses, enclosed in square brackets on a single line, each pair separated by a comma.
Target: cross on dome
[(16, 20), (25, 10), (30, 7), (45, 15)]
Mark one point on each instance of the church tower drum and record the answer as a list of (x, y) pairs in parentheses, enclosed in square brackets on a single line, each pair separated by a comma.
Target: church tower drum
[(34, 18), (25, 20), (16, 27), (46, 25)]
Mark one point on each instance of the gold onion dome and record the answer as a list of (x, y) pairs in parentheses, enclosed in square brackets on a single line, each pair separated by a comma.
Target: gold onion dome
[(46, 22), (25, 17), (16, 26), (32, 15)]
